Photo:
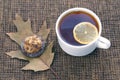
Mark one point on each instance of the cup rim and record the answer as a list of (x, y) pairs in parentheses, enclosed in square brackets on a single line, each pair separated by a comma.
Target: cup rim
[(78, 9)]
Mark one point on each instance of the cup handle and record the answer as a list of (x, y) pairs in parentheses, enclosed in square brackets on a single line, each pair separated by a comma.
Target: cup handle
[(103, 43)]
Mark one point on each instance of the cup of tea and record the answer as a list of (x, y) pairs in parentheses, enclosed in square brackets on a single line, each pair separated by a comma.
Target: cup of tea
[(65, 25)]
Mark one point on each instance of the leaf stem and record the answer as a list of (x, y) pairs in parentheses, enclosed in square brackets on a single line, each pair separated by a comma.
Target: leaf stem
[(55, 74)]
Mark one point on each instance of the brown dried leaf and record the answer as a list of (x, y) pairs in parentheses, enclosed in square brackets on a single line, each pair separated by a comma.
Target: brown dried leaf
[(24, 30), (43, 31), (17, 54), (37, 64)]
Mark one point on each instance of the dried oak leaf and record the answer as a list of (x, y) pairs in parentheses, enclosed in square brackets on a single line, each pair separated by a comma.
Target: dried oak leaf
[(24, 30)]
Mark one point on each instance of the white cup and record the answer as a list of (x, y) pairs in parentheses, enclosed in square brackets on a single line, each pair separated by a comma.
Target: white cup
[(99, 42)]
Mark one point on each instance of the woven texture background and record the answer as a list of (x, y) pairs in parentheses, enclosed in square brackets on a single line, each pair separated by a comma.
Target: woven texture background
[(99, 65)]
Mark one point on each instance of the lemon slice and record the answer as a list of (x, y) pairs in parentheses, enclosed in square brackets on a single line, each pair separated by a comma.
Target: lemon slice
[(85, 32)]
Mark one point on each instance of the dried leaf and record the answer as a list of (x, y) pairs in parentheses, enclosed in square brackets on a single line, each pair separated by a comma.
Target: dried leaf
[(43, 31), (17, 54), (37, 64), (24, 30)]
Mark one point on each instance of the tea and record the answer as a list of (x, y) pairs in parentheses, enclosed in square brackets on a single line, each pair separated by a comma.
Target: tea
[(68, 23)]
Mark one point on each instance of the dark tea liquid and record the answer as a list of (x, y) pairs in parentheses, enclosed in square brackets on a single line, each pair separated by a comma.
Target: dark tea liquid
[(68, 23)]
